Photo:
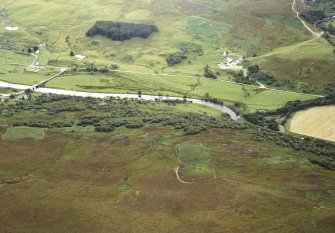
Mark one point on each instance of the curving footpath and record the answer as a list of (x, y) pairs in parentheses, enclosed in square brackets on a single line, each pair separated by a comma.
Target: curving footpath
[(178, 177)]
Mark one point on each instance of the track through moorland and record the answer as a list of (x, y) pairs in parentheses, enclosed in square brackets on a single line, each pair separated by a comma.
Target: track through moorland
[(178, 177), (315, 33)]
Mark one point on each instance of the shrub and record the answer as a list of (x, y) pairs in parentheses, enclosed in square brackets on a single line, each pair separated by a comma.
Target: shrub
[(175, 58)]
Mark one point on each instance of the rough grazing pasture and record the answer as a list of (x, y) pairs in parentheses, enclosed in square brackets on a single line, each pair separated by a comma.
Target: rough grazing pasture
[(317, 122), (124, 182), (76, 179)]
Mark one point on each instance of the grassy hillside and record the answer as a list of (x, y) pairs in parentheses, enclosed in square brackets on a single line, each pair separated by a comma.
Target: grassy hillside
[(310, 64), (248, 23)]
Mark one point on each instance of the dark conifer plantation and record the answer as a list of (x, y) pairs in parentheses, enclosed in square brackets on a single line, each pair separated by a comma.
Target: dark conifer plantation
[(121, 31)]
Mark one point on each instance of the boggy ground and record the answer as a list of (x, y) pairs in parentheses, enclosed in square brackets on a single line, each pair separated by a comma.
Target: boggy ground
[(124, 182)]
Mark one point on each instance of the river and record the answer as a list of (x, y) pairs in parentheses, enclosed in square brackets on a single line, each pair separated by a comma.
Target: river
[(222, 108)]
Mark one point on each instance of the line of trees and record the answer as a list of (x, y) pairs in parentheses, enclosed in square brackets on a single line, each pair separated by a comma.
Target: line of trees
[(269, 119), (44, 124)]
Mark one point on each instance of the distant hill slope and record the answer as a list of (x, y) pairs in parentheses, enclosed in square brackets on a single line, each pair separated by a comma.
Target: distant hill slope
[(310, 64)]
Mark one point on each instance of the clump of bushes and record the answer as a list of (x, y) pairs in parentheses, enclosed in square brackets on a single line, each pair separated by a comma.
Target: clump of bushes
[(94, 69), (209, 73), (104, 128), (175, 58), (256, 74), (134, 124), (330, 88)]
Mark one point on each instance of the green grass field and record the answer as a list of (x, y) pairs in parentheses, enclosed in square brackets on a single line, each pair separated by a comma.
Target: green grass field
[(18, 133), (177, 86), (195, 161)]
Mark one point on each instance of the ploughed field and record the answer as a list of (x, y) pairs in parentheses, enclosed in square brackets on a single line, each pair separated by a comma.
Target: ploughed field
[(64, 175)]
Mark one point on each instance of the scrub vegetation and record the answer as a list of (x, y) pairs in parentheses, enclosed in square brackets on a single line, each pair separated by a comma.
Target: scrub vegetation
[(321, 15), (52, 111)]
